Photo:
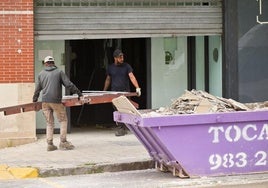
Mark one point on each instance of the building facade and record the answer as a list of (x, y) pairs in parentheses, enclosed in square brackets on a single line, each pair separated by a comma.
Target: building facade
[(173, 45), (16, 70)]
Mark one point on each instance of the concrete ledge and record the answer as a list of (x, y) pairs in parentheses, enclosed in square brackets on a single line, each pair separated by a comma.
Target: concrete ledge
[(7, 172), (97, 168)]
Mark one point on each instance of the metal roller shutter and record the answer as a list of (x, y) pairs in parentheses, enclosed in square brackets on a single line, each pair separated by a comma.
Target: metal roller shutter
[(98, 19)]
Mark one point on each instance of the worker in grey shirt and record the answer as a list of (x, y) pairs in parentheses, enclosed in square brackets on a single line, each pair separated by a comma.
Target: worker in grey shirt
[(50, 81)]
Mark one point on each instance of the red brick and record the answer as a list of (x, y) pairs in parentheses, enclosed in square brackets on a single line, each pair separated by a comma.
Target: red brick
[(13, 67)]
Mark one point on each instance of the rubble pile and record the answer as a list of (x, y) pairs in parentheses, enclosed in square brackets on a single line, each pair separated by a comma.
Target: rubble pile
[(197, 101)]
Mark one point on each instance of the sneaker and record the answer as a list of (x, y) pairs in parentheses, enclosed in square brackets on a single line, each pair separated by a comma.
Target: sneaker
[(121, 132), (66, 146), (51, 147)]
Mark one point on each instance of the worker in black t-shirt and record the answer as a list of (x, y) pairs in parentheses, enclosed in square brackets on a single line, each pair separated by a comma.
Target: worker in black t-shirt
[(118, 75)]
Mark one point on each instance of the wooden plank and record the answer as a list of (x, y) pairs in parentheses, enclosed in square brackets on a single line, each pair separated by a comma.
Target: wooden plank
[(29, 107), (98, 98), (68, 101), (36, 106), (11, 111)]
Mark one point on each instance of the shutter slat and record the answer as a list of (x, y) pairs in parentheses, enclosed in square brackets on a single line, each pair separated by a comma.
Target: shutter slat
[(111, 22)]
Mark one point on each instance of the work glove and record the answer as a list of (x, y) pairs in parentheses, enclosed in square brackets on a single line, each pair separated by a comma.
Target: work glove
[(138, 91), (84, 99)]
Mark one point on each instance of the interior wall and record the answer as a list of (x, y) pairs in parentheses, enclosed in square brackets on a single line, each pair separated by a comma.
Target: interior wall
[(169, 81), (89, 60)]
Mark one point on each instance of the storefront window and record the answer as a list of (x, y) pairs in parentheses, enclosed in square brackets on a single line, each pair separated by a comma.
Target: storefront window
[(253, 50)]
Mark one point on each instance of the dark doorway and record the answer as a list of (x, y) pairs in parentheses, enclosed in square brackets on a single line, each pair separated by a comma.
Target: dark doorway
[(193, 60), (87, 70)]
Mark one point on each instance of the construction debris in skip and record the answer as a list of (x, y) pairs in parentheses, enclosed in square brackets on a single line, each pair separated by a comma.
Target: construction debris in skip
[(197, 101)]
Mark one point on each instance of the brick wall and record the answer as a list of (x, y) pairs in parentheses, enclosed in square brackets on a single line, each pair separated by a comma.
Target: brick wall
[(16, 41)]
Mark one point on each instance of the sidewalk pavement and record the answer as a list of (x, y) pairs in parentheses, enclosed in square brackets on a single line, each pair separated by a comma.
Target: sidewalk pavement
[(96, 150)]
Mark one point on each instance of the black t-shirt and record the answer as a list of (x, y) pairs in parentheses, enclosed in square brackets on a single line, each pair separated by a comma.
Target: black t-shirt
[(119, 76)]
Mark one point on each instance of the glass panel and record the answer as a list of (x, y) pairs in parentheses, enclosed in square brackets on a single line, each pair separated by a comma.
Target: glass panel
[(200, 63), (252, 50), (168, 80)]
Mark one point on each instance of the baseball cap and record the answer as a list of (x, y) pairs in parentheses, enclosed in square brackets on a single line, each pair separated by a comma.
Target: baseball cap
[(48, 59), (117, 53)]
